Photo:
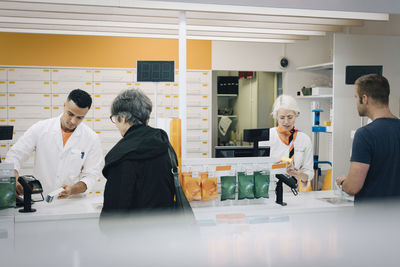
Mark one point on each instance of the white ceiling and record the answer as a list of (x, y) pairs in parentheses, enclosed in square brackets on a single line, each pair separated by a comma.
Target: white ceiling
[(156, 19)]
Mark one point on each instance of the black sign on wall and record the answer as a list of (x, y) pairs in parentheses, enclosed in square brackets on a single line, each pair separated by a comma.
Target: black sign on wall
[(155, 71), (354, 72)]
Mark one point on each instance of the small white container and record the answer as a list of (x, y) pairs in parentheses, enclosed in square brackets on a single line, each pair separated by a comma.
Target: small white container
[(321, 91)]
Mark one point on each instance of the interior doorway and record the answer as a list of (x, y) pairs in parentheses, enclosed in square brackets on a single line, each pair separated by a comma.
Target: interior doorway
[(242, 100)]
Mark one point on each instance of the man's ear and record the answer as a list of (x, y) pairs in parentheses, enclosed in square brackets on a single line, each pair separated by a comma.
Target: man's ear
[(365, 99)]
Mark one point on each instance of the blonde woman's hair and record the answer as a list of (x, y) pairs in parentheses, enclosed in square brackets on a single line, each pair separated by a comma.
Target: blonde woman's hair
[(285, 102)]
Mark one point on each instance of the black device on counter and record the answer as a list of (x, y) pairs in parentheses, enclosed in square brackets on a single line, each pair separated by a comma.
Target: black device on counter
[(31, 186), (289, 181), (6, 133), (249, 135), (255, 136)]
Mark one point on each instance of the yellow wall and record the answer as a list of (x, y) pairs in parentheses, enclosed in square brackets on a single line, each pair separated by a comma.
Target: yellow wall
[(97, 51)]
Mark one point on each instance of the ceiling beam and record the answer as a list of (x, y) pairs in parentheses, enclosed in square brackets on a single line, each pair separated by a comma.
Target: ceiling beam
[(184, 6), (142, 35)]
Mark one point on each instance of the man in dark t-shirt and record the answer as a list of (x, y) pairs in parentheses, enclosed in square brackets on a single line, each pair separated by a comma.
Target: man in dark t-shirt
[(375, 161)]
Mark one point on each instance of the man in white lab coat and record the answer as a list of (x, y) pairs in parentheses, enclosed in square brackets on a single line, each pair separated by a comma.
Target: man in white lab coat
[(68, 153)]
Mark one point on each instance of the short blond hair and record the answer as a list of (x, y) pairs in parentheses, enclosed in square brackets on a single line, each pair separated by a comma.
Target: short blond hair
[(285, 102)]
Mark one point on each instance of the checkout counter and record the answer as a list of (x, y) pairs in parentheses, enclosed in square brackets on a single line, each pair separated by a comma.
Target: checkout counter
[(66, 232), (314, 229)]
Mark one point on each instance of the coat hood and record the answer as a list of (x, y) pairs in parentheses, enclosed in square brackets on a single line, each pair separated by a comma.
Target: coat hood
[(139, 143)]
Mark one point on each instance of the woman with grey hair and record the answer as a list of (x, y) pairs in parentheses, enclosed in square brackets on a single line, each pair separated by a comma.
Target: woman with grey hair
[(138, 167), (287, 141)]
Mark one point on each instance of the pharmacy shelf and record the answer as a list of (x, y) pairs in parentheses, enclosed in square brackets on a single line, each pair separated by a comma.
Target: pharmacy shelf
[(227, 95), (315, 97), (231, 116), (323, 66)]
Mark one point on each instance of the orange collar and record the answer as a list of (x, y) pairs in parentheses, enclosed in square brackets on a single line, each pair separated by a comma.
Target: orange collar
[(284, 139)]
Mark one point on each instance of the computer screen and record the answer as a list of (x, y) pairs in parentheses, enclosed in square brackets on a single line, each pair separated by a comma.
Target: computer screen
[(6, 132)]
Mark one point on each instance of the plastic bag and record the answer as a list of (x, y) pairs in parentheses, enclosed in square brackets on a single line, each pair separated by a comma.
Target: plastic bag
[(246, 185)]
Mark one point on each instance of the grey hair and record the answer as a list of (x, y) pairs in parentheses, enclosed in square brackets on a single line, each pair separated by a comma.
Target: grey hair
[(285, 102), (133, 105)]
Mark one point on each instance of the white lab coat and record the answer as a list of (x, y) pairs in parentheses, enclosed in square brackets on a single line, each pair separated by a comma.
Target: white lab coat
[(303, 152), (80, 160)]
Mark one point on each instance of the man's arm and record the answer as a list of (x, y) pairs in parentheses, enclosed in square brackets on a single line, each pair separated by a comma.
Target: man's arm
[(354, 181), (77, 188), (93, 164), (21, 151)]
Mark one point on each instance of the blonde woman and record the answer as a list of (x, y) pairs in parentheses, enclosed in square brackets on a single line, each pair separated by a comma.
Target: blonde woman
[(287, 141)]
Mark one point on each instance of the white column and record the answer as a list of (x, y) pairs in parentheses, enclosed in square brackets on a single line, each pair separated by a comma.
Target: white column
[(155, 105), (182, 77)]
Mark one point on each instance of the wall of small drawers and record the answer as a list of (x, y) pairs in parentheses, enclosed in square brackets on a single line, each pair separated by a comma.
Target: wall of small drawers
[(30, 94)]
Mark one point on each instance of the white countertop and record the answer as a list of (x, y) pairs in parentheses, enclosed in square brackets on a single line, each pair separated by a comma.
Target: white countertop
[(80, 207), (314, 201), (85, 207)]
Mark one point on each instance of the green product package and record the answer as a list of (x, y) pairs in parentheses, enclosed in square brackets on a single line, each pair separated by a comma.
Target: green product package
[(228, 187), (7, 192), (246, 186), (261, 184)]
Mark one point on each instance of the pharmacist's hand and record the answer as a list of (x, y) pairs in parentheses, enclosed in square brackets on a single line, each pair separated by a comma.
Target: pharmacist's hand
[(66, 193), (293, 171), (19, 190)]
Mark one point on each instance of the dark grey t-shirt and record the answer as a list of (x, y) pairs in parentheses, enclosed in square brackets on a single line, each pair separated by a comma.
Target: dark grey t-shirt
[(378, 144)]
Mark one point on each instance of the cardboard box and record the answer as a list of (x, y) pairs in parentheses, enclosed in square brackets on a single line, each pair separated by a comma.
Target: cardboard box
[(321, 91)]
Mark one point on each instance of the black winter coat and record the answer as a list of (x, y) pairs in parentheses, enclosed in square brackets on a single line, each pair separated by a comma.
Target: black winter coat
[(138, 173)]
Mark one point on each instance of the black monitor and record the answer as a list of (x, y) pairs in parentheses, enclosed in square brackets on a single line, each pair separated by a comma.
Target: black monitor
[(6, 133), (255, 136), (155, 71), (240, 151), (355, 72)]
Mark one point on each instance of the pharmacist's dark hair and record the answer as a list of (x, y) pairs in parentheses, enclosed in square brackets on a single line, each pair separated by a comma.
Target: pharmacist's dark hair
[(81, 98), (374, 86), (133, 105)]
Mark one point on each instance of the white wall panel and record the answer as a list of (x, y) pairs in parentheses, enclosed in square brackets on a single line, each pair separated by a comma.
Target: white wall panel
[(238, 56), (3, 86), (111, 87), (103, 99), (42, 87), (113, 75), (3, 99), (147, 88), (72, 75), (22, 99), (198, 112), (3, 112), (59, 99), (101, 112), (22, 124), (28, 74), (64, 87), (198, 135), (111, 136), (3, 74), (22, 112), (100, 124)]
